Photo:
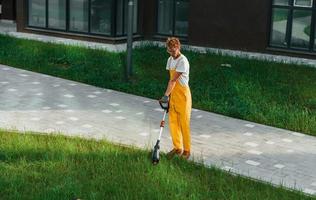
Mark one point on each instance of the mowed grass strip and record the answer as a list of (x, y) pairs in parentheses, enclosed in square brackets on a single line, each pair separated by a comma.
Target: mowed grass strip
[(57, 167), (280, 95)]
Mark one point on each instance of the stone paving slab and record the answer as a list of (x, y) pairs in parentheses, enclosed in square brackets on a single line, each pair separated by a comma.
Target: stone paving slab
[(35, 102)]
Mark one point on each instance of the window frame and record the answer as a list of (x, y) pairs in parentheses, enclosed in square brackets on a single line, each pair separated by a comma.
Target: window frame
[(124, 29), (173, 20), (310, 6), (47, 17), (27, 3), (288, 38), (88, 33)]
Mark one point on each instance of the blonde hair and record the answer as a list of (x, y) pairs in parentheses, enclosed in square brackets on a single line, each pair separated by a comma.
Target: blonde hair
[(173, 42)]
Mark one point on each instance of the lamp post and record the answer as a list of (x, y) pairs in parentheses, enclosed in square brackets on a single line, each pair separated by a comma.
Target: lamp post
[(129, 47)]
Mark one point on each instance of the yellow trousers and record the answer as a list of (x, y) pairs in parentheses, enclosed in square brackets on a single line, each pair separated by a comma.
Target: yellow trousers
[(179, 115)]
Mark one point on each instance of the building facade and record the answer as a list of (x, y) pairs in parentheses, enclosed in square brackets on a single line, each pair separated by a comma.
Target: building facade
[(285, 27), (7, 9)]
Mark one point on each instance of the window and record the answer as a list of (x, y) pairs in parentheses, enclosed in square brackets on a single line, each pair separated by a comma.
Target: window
[(292, 24), (301, 29), (101, 16), (278, 36), (314, 35), (37, 13), (165, 17), (303, 3), (79, 15), (57, 14), (173, 17), (181, 21), (281, 2), (98, 17), (122, 17)]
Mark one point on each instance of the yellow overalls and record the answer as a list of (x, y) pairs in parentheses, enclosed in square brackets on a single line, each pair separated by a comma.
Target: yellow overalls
[(179, 115)]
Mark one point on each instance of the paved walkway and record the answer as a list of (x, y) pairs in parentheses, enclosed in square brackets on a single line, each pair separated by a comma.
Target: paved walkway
[(41, 103)]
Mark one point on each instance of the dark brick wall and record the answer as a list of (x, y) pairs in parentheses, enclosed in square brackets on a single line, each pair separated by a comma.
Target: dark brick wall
[(8, 9), (242, 24)]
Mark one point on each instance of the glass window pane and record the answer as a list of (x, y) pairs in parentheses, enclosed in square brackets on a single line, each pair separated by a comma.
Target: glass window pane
[(78, 15), (37, 13), (301, 28), (57, 14), (125, 16), (181, 21), (119, 17), (279, 24), (303, 3), (101, 16), (165, 17), (135, 15), (280, 2), (315, 37)]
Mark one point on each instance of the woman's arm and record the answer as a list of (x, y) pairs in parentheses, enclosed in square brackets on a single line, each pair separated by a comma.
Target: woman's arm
[(172, 83)]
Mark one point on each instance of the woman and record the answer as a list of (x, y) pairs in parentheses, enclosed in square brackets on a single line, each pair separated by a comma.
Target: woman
[(179, 96)]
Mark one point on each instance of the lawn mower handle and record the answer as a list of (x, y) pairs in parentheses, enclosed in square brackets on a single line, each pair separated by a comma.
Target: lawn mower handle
[(164, 106)]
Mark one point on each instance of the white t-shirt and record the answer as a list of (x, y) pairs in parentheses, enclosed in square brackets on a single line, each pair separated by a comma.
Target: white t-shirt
[(180, 64)]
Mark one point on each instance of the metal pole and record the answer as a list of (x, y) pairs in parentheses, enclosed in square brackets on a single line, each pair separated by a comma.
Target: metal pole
[(129, 70)]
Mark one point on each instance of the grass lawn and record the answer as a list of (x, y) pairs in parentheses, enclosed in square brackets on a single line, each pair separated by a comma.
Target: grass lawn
[(307, 30), (280, 95), (38, 167), (280, 14)]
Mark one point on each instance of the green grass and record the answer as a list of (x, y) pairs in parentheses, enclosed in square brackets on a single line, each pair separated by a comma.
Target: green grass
[(280, 14), (38, 167), (307, 30), (280, 95)]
